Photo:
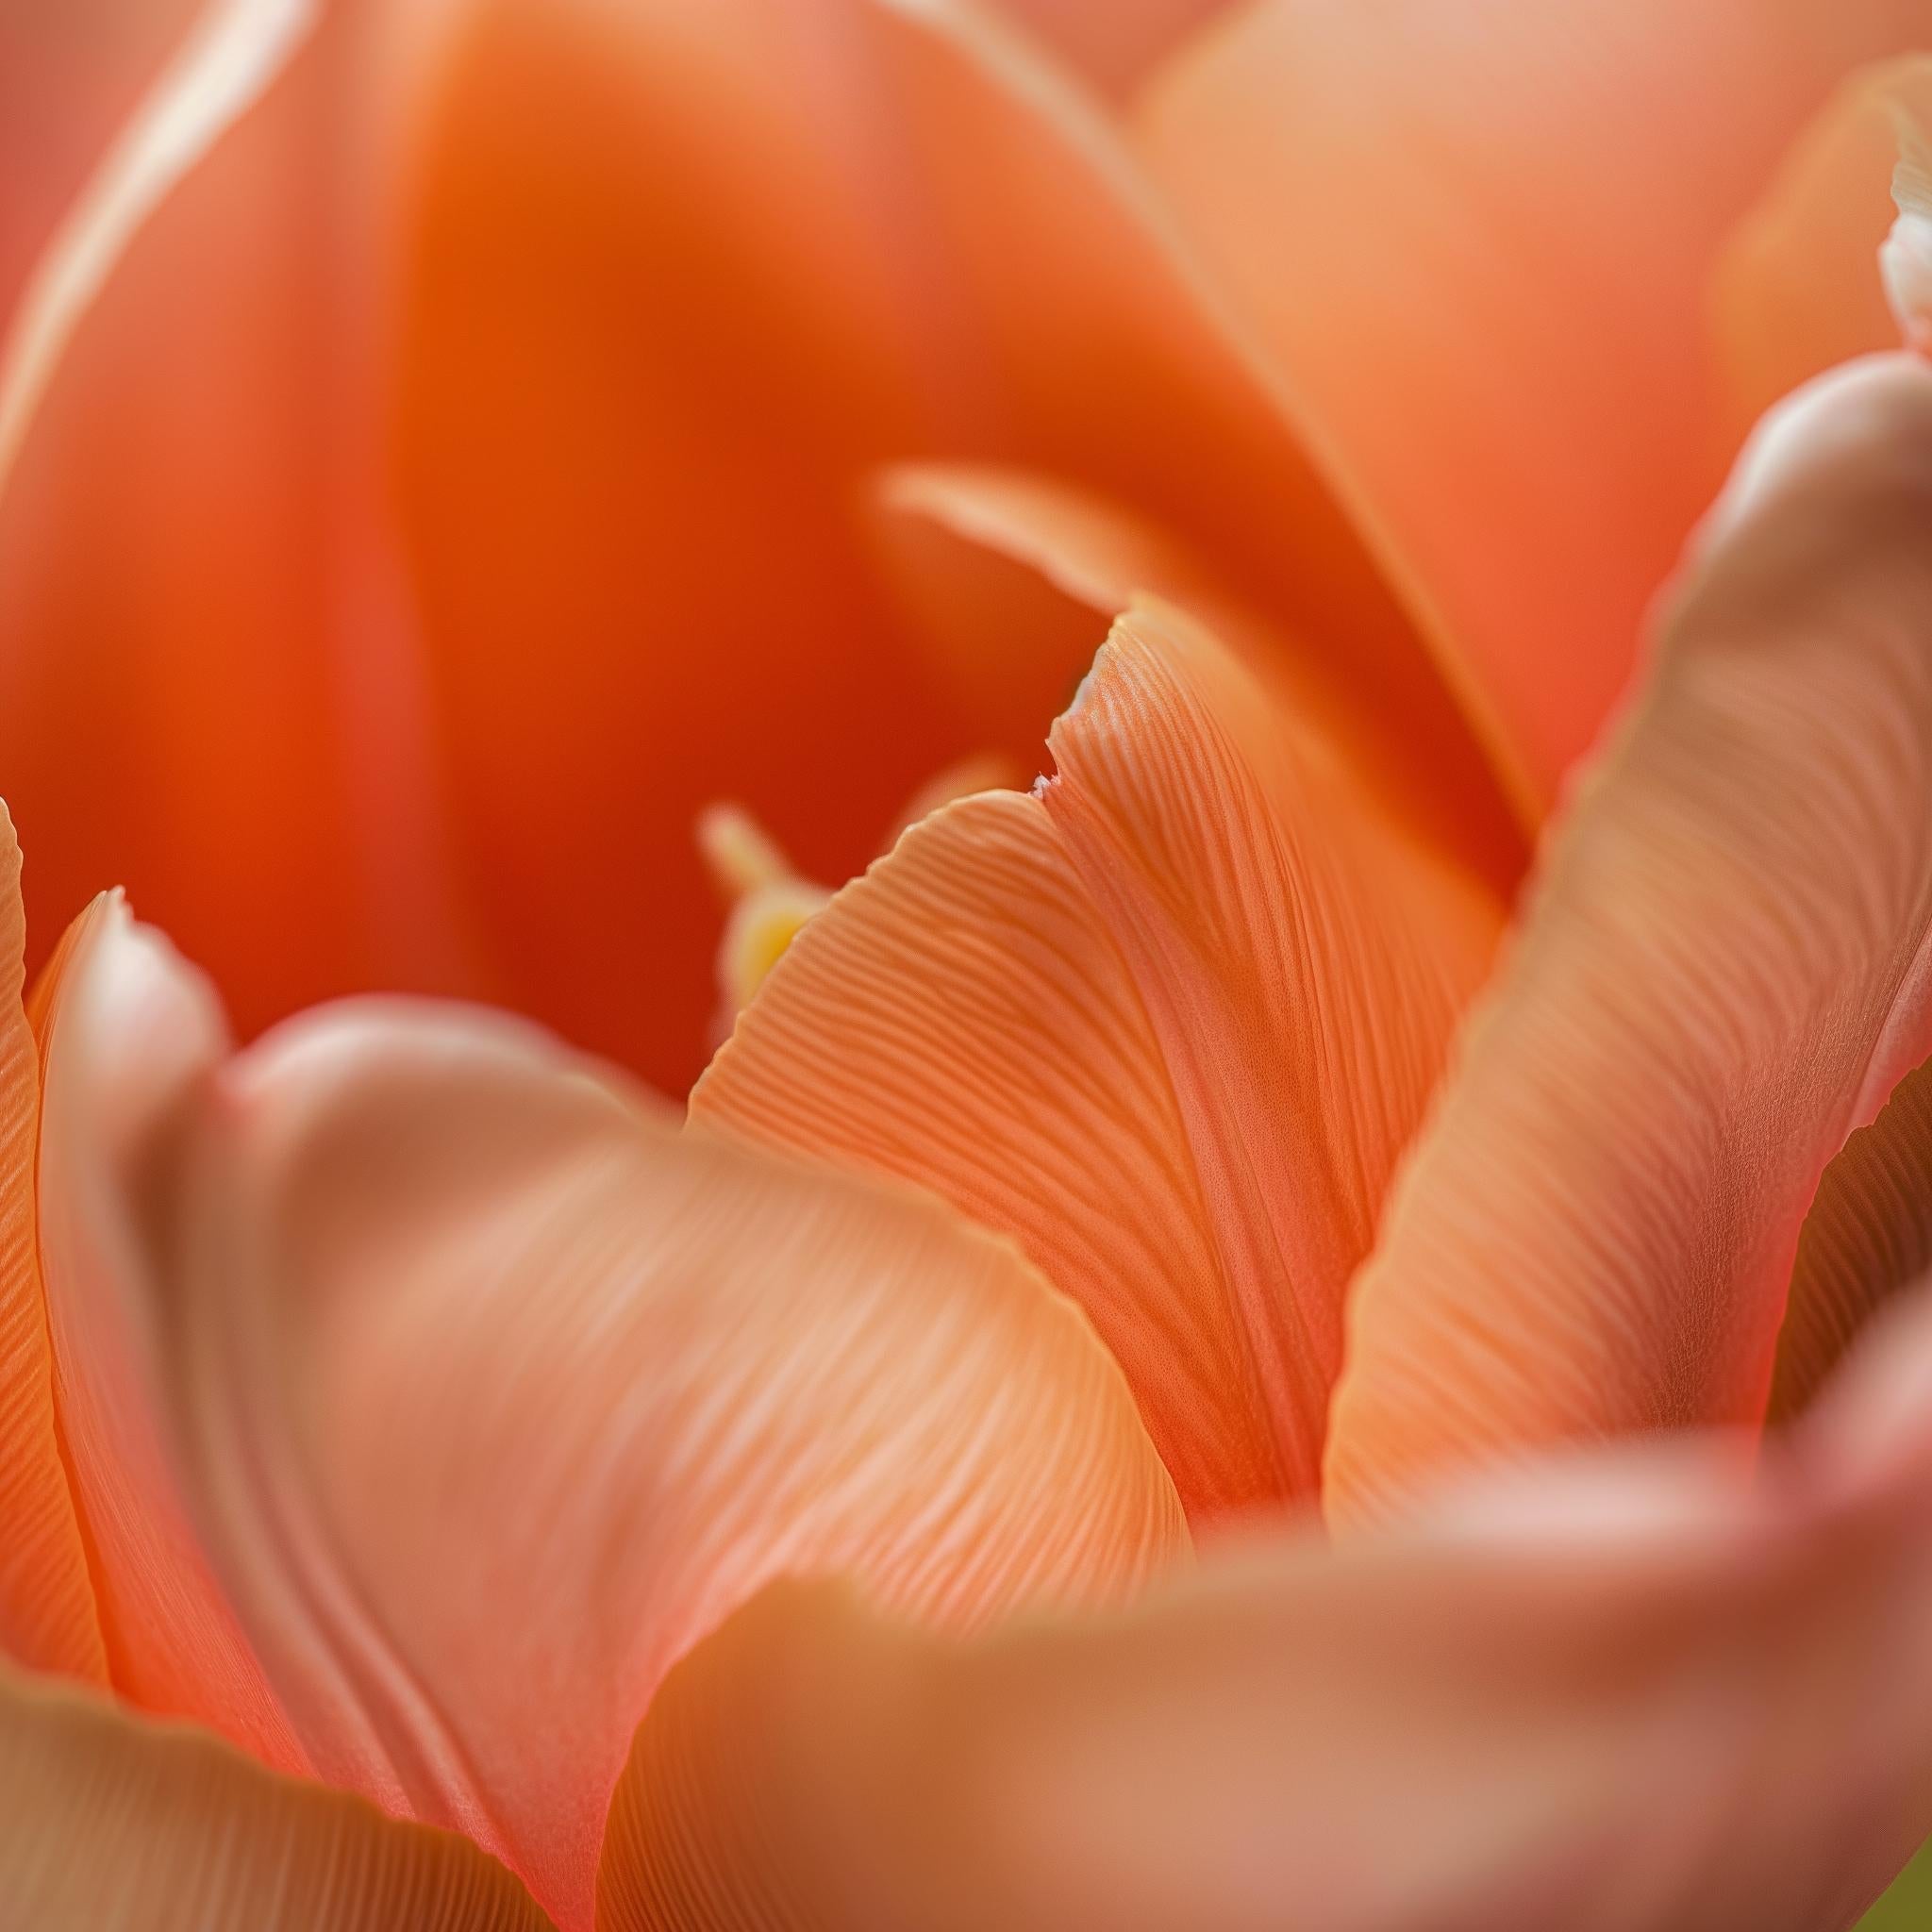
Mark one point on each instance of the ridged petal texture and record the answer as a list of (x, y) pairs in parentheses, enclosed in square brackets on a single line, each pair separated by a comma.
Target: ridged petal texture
[(1631, 1691), (1169, 1021), (47, 1619), (1490, 300), (495, 1393), (1867, 1237), (1723, 970), (125, 1033), (113, 1822)]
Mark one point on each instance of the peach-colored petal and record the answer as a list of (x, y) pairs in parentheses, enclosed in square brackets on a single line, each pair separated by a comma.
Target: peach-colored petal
[(1115, 43), (1168, 1023), (114, 1821), (1868, 1237), (1799, 289), (1626, 1693), (125, 1033), (236, 51), (47, 1618), (1020, 542), (69, 76), (1725, 969), (195, 478), (1478, 236), (496, 1393), (683, 278), (1907, 256)]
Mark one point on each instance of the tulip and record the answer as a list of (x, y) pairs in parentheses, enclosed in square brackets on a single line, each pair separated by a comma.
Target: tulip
[(1185, 1367)]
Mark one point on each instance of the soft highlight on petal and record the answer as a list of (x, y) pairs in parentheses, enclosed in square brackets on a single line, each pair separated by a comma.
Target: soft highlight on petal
[(1723, 972), (1630, 1691), (1168, 1022), (236, 50), (1907, 256), (1476, 238), (115, 1822), (126, 1031), (1799, 287), (497, 1394)]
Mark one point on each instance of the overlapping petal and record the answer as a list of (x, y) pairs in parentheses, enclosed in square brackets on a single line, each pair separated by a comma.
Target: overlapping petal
[(195, 566), (125, 1034), (495, 1393), (1169, 1021), (47, 1619), (1488, 290), (1725, 971), (113, 1822), (1631, 1693), (1867, 1239), (1798, 288)]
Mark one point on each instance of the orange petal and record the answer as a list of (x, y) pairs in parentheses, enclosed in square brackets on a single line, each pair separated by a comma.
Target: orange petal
[(191, 382), (1725, 971), (47, 1618), (1114, 45), (1028, 541), (1489, 297), (1867, 1237), (1799, 287), (1622, 1695), (683, 278), (1168, 1023), (1907, 256), (126, 1031), (111, 1821), (69, 76), (496, 1394)]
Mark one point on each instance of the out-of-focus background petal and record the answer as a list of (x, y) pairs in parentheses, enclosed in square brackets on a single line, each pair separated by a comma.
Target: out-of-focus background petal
[(1479, 238)]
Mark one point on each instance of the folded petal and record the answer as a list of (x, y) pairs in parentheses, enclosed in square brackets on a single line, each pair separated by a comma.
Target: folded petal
[(1008, 559), (47, 1619), (1168, 1022), (495, 1393), (1867, 1237), (1799, 287), (1629, 1693), (111, 1821), (126, 1032), (1725, 971), (1488, 295), (682, 279)]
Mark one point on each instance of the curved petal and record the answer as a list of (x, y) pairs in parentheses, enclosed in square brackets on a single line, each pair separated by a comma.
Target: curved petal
[(496, 1393), (126, 1033), (111, 1821), (196, 480), (1726, 967), (1630, 1692), (1168, 1022), (1867, 1237), (1005, 546), (69, 76), (682, 278), (1503, 360), (47, 1619), (1799, 287)]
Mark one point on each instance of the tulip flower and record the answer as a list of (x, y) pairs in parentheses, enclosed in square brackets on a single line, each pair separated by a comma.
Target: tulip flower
[(1195, 1359)]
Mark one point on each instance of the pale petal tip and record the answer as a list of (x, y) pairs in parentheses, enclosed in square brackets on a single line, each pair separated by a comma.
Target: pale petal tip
[(1906, 258)]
